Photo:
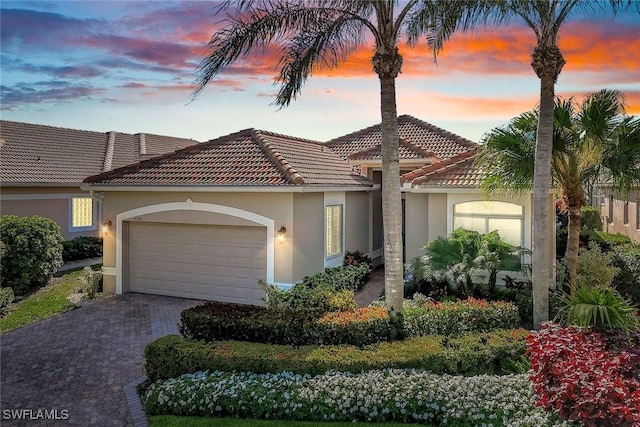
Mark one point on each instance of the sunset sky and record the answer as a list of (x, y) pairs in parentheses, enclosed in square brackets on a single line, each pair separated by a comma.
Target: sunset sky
[(129, 66)]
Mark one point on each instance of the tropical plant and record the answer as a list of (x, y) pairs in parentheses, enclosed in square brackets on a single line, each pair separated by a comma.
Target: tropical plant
[(587, 142), (545, 18), (321, 34), (467, 254)]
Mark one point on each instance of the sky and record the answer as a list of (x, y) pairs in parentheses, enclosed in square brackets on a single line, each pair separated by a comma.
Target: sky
[(130, 66)]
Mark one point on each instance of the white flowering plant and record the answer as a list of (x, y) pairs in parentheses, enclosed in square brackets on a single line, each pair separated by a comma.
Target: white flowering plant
[(391, 395)]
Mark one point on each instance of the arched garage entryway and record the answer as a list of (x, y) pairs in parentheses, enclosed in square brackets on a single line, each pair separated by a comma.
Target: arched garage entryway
[(203, 261)]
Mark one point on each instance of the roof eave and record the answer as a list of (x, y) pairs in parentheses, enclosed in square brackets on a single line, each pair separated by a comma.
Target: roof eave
[(231, 189)]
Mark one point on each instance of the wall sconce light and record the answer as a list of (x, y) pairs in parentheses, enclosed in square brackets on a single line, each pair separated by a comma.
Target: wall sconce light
[(106, 226), (281, 233)]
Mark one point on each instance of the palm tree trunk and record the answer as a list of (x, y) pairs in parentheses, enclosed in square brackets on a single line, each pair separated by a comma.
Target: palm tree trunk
[(547, 62), (573, 244), (541, 220), (387, 67)]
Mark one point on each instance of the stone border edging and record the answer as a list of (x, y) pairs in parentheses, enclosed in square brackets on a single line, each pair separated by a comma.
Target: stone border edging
[(135, 405)]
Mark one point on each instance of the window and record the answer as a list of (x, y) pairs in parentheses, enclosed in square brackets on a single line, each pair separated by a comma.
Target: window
[(487, 216), (610, 210), (81, 212), (333, 230), (625, 213)]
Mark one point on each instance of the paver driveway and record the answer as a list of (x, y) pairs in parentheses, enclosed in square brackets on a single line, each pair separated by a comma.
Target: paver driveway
[(80, 361)]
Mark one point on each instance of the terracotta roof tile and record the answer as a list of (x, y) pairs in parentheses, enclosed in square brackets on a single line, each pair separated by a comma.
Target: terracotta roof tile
[(39, 154), (246, 158), (457, 171), (407, 150), (432, 139)]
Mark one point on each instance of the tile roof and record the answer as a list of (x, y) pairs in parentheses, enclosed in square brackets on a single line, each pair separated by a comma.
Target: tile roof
[(39, 154), (246, 158), (432, 139), (457, 171), (406, 150)]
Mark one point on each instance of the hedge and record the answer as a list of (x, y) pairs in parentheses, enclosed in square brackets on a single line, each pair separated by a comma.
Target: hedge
[(214, 321), (498, 352), (82, 247)]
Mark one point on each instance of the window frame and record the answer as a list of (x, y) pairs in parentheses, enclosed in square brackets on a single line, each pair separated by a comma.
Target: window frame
[(625, 213), (340, 224), (93, 225)]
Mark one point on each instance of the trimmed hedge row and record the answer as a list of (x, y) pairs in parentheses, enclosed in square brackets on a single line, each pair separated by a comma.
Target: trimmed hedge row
[(497, 352), (425, 317), (82, 247), (215, 321)]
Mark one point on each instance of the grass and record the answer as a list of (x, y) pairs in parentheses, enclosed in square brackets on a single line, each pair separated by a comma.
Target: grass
[(46, 302), (175, 421)]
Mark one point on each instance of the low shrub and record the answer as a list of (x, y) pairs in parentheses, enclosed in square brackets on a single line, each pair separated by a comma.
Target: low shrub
[(392, 395), (83, 247), (423, 316), (496, 352), (215, 321), (357, 258), (346, 277), (90, 280), (590, 220), (32, 251), (6, 298), (578, 376), (307, 301)]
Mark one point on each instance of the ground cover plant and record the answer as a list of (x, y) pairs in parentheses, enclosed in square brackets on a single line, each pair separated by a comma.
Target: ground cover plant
[(496, 352), (390, 395), (587, 376), (177, 421)]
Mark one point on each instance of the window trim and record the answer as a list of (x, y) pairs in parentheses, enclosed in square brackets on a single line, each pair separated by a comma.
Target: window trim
[(93, 225), (625, 213), (340, 239), (610, 210)]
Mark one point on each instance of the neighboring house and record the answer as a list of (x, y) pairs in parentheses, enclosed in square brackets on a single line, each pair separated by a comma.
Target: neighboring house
[(42, 167), (620, 214), (210, 220)]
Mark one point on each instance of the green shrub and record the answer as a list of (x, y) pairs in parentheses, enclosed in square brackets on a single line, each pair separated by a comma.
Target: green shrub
[(83, 247), (349, 277), (214, 321), (627, 260), (590, 220), (425, 317), (310, 302), (496, 352), (599, 307), (6, 298), (32, 251), (357, 258), (90, 280)]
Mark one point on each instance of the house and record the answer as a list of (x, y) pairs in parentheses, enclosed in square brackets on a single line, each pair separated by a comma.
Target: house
[(620, 214), (210, 220), (42, 167)]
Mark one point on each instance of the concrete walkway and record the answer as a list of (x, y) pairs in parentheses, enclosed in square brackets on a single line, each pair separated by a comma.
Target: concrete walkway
[(373, 290), (80, 361)]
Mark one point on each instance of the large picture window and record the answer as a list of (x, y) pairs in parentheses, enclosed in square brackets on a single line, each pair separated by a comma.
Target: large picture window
[(486, 216), (81, 212), (333, 232)]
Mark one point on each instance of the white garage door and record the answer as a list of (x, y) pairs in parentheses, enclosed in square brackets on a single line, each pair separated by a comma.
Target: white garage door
[(198, 261)]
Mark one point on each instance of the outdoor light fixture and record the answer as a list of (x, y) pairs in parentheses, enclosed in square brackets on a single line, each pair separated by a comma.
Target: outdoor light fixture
[(281, 233), (106, 226)]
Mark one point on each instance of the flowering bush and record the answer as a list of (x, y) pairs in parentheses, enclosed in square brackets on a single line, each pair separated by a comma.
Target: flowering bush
[(380, 396), (578, 376), (423, 316), (363, 326), (497, 352)]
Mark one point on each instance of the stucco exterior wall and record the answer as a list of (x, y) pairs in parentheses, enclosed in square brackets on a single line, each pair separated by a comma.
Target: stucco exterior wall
[(48, 202), (357, 222), (308, 235)]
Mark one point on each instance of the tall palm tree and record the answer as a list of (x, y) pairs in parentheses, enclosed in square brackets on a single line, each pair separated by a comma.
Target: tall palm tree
[(545, 18), (593, 140), (321, 34)]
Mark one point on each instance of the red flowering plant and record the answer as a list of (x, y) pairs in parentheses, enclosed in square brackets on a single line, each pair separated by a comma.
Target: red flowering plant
[(579, 374)]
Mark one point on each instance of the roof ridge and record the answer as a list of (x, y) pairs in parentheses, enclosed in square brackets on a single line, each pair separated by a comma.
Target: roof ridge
[(420, 174), (353, 134), (281, 162)]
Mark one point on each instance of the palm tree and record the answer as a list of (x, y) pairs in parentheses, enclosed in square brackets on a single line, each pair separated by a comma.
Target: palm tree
[(321, 34), (593, 140), (545, 18)]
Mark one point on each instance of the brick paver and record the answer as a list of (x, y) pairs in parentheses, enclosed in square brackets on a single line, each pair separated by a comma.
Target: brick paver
[(80, 361)]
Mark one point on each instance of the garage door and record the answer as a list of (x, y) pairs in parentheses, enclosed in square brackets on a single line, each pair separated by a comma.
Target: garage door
[(198, 261)]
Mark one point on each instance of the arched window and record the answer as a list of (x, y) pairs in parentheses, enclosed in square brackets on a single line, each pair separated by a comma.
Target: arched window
[(486, 216)]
